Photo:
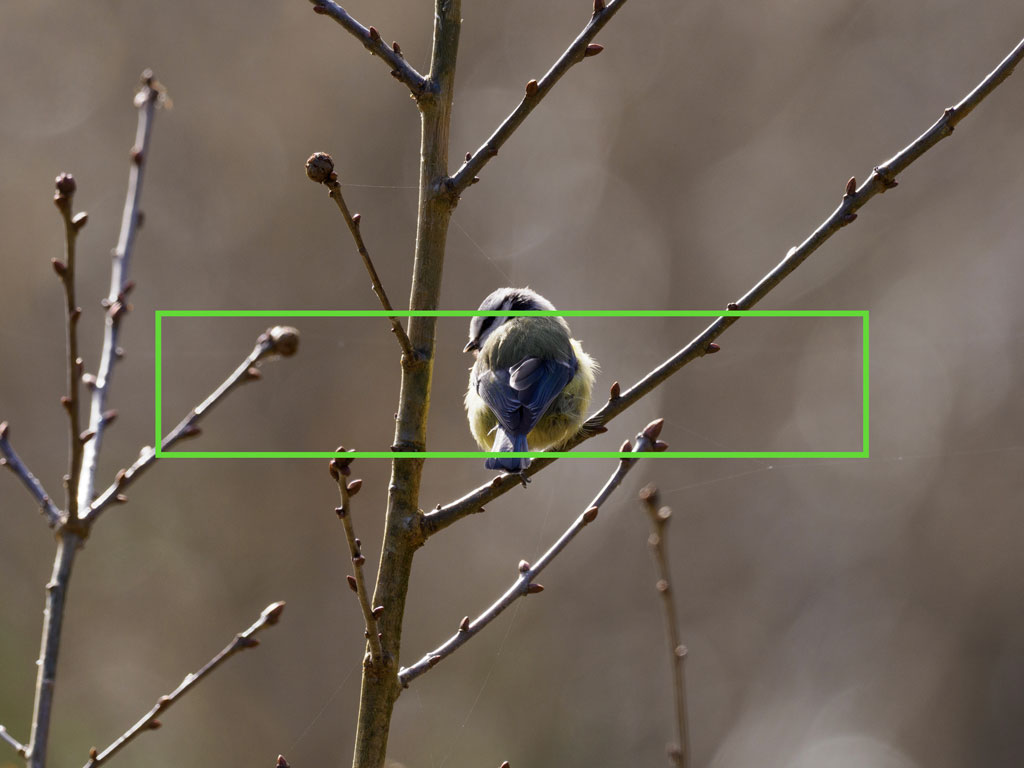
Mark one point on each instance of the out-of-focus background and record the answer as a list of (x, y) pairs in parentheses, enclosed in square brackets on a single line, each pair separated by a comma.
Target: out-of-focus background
[(837, 612)]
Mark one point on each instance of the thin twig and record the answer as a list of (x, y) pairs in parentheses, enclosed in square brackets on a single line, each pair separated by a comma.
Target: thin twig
[(372, 41), (20, 748), (536, 90), (881, 179), (63, 198), (678, 753), (147, 99), (320, 168), (277, 341), (647, 440), (72, 534), (12, 461), (340, 471), (148, 722)]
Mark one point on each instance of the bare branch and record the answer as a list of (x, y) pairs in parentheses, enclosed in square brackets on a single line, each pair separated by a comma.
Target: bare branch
[(14, 463), (18, 747), (147, 99), (340, 471), (647, 440), (63, 198), (372, 41), (149, 721), (678, 753), (881, 179), (535, 92), (320, 168), (280, 341), (70, 539)]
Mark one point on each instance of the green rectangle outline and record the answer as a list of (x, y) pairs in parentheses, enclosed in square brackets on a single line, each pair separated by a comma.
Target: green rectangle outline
[(863, 453)]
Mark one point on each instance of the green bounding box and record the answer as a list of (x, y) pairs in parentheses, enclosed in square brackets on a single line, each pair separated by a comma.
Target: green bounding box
[(861, 454)]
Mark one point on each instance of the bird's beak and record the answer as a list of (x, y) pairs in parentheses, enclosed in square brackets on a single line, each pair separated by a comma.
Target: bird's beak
[(471, 346)]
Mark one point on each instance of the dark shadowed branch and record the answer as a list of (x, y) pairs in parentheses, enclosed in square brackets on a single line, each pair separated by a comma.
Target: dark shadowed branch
[(535, 92), (340, 471), (280, 341), (659, 516), (372, 41), (880, 179), (524, 585), (148, 722), (320, 168)]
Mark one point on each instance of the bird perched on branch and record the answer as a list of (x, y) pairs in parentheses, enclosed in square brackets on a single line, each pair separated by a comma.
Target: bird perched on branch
[(530, 386)]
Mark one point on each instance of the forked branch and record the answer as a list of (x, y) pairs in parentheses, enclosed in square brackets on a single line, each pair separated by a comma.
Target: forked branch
[(647, 440), (148, 722), (11, 460), (880, 179)]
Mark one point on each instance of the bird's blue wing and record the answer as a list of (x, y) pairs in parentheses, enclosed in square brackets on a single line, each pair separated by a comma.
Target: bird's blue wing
[(519, 396)]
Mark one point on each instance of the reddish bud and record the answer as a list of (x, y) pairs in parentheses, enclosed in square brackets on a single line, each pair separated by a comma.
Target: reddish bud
[(354, 486), (59, 267), (374, 35), (615, 391), (523, 566), (590, 515), (531, 88), (378, 611), (464, 624), (353, 585), (533, 589), (592, 50), (653, 430), (851, 186), (712, 348)]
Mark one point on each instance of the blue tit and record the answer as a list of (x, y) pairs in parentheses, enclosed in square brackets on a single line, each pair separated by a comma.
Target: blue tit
[(530, 386)]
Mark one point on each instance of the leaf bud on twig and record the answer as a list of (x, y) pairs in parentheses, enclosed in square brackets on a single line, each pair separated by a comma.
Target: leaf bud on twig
[(319, 166)]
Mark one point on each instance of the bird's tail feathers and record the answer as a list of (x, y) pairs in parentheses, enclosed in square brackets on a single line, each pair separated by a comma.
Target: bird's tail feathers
[(503, 443)]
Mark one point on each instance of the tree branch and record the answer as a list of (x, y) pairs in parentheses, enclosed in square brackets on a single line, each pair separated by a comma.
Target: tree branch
[(678, 753), (148, 722), (536, 90), (13, 462), (277, 341), (320, 168), (18, 747), (70, 539), (371, 40), (647, 440), (147, 99), (63, 198), (340, 471), (881, 179)]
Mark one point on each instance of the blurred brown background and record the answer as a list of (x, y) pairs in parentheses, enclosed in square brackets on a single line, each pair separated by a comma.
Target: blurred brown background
[(838, 612)]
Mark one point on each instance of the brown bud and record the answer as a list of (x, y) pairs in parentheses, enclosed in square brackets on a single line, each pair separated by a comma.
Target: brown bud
[(433, 661), (374, 34), (660, 446), (469, 156), (59, 267), (354, 486), (851, 186), (340, 512), (93, 753), (66, 184), (649, 494), (356, 218), (358, 560), (533, 589), (464, 624), (712, 348), (353, 585), (590, 515), (732, 306), (396, 47), (626, 446), (615, 391), (87, 435), (531, 88), (163, 702), (79, 220), (319, 9), (281, 762), (285, 340), (378, 611), (504, 765), (154, 725), (653, 430), (523, 566), (599, 6), (592, 50), (320, 165), (661, 585), (190, 431), (849, 219)]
